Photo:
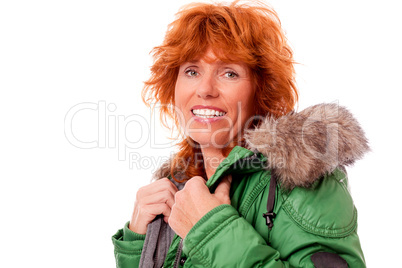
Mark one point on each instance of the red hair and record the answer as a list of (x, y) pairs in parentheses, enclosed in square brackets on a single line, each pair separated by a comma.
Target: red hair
[(236, 32)]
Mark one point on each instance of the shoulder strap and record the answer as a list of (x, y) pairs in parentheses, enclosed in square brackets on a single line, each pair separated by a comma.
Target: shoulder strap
[(270, 215)]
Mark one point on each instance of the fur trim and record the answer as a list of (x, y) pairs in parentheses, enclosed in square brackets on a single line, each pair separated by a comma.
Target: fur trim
[(302, 147)]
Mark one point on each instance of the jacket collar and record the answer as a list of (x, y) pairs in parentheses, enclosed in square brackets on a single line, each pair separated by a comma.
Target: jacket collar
[(239, 160)]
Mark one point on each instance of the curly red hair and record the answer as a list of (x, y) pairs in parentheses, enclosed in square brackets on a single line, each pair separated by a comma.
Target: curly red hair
[(237, 32)]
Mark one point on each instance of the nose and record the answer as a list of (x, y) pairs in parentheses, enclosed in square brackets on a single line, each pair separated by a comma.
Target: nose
[(207, 87)]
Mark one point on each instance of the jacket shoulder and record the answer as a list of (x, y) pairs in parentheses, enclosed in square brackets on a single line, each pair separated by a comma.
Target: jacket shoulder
[(326, 209)]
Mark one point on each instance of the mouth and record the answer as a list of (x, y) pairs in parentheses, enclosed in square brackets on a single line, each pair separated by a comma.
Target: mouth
[(207, 113)]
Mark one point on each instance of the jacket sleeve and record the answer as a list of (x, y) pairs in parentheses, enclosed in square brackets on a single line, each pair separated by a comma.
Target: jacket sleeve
[(318, 224), (127, 247), (224, 239)]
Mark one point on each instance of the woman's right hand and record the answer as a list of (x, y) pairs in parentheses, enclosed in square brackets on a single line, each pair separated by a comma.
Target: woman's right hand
[(151, 200)]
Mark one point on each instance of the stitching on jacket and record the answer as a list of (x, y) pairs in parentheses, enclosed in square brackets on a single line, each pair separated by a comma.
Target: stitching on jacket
[(203, 219), (206, 262), (125, 251), (210, 235), (305, 225), (312, 228), (245, 207), (207, 216)]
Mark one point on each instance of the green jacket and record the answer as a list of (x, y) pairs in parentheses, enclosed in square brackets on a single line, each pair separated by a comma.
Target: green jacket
[(312, 215)]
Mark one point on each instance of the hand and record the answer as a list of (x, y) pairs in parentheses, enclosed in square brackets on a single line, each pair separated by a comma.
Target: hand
[(152, 200), (194, 201)]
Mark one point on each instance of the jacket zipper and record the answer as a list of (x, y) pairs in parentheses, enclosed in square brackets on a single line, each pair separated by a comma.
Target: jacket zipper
[(178, 254)]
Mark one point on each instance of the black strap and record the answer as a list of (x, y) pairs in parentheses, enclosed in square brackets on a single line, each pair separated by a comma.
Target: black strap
[(326, 259), (270, 215)]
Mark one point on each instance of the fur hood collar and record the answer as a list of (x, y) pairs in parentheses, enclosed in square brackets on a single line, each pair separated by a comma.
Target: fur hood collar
[(302, 147)]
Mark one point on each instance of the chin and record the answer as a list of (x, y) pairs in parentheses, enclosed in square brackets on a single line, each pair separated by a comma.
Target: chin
[(211, 141)]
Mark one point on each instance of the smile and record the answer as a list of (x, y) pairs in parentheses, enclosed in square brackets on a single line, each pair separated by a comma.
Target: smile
[(207, 113)]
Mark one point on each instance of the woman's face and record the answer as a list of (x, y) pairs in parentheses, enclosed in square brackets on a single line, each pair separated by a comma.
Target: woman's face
[(214, 100)]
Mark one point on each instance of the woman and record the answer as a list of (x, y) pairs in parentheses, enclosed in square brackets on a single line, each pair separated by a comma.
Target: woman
[(253, 183)]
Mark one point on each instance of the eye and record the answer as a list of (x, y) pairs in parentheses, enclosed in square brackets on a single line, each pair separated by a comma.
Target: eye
[(231, 74), (191, 72)]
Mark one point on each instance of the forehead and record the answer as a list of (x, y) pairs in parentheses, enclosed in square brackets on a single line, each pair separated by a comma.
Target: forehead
[(209, 56), (214, 57)]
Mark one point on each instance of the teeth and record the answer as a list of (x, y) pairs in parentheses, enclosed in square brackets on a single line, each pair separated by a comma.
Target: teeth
[(207, 113)]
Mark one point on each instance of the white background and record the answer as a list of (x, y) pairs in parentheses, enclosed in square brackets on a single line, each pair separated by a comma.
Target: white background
[(61, 204)]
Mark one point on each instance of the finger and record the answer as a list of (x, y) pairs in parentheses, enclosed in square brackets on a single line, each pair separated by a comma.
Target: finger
[(156, 198), (195, 183), (156, 209), (157, 187), (164, 184), (223, 189), (197, 180), (166, 219)]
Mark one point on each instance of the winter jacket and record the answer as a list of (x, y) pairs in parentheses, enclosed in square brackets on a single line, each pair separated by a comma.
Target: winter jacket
[(315, 220)]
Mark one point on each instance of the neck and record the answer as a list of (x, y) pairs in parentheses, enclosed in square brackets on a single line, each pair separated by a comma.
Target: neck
[(212, 158)]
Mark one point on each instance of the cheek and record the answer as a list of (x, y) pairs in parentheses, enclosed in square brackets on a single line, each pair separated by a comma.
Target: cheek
[(248, 104), (178, 109), (246, 95), (181, 99), (180, 93)]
